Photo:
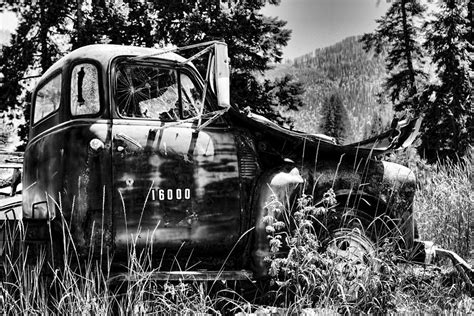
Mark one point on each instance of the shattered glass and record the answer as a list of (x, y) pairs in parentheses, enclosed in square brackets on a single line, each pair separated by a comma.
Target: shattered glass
[(84, 90), (147, 91)]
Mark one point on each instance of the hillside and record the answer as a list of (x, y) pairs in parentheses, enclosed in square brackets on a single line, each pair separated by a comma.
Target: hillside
[(344, 68)]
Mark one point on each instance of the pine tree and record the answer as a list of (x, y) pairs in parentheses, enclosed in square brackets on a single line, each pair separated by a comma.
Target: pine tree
[(34, 46), (254, 41), (334, 118), (448, 113), (397, 34)]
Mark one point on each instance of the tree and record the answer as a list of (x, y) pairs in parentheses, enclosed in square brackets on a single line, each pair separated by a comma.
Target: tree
[(254, 41), (334, 118), (396, 32), (448, 113), (34, 46), (272, 97)]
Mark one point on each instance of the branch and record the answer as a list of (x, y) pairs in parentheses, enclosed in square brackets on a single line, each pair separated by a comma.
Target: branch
[(30, 77)]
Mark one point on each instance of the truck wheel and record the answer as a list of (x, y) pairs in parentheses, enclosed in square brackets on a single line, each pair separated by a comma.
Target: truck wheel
[(350, 239), (354, 259)]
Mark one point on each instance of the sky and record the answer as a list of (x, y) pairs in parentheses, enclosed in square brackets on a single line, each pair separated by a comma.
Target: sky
[(314, 23), (8, 21), (320, 23)]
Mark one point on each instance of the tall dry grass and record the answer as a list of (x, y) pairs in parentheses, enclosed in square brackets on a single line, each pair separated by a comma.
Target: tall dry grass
[(444, 204), (305, 281), (41, 285)]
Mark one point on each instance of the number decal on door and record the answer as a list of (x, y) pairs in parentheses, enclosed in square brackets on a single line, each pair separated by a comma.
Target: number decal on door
[(170, 194)]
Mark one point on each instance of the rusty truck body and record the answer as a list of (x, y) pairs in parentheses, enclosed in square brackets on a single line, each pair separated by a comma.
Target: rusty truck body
[(134, 147)]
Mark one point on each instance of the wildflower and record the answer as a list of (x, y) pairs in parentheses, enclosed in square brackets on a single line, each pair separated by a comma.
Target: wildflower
[(275, 244), (279, 225), (268, 220), (270, 229), (316, 211), (329, 197)]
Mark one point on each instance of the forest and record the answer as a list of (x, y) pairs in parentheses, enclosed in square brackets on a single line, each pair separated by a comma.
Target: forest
[(347, 70)]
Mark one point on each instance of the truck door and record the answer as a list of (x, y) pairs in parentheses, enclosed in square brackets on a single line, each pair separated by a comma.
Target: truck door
[(176, 186)]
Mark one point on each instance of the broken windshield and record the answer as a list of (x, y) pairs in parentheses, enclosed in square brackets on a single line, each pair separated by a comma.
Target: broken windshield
[(151, 91)]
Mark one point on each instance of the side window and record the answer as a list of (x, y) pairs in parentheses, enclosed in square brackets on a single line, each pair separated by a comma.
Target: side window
[(85, 90), (47, 99)]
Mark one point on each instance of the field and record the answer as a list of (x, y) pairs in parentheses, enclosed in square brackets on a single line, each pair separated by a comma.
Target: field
[(307, 283)]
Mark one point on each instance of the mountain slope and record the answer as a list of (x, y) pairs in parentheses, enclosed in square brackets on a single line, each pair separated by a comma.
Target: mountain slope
[(346, 69)]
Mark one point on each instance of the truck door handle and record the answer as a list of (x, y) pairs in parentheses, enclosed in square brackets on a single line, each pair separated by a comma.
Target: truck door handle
[(128, 139)]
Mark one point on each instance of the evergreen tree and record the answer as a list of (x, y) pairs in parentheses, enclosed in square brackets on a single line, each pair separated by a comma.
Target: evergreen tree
[(396, 32), (334, 119), (254, 41), (34, 46), (448, 113), (273, 97)]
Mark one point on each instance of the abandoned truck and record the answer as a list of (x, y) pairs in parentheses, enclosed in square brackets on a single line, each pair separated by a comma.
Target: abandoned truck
[(134, 147)]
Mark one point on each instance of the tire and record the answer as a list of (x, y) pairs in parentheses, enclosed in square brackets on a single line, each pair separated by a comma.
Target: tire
[(377, 228), (351, 238)]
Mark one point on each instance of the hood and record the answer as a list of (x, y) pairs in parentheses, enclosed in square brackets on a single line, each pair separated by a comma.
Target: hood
[(401, 135)]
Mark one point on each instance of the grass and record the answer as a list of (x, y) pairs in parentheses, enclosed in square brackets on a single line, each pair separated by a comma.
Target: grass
[(303, 281), (444, 204)]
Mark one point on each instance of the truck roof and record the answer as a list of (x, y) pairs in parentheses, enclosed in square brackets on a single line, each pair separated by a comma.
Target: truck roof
[(103, 53)]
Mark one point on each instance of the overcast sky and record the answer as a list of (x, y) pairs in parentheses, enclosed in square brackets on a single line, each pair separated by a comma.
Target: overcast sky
[(7, 21), (319, 23), (315, 23)]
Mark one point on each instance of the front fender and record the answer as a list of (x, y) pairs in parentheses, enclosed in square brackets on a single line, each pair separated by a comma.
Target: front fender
[(273, 189)]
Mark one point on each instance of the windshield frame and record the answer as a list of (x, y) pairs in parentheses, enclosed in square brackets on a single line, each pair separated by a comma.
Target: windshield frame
[(210, 103)]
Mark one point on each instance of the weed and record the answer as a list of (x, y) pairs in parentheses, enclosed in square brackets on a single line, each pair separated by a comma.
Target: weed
[(311, 273), (308, 275)]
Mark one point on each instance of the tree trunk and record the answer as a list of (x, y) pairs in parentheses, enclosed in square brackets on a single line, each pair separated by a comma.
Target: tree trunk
[(408, 48), (43, 37), (79, 26)]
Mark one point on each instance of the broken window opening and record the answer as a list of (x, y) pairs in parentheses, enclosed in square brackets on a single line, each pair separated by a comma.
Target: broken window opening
[(148, 91), (85, 99)]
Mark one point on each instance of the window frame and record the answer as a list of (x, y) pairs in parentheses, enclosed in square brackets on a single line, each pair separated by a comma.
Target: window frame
[(100, 84), (47, 80), (162, 64)]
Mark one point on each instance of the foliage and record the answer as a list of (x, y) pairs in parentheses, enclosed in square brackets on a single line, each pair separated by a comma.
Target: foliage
[(445, 104), (273, 97), (253, 40), (346, 69), (376, 126), (307, 281), (32, 38), (444, 200), (306, 278), (334, 119), (397, 33), (445, 204), (448, 113)]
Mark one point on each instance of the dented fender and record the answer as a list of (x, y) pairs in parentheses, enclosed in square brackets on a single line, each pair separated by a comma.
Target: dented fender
[(273, 190)]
